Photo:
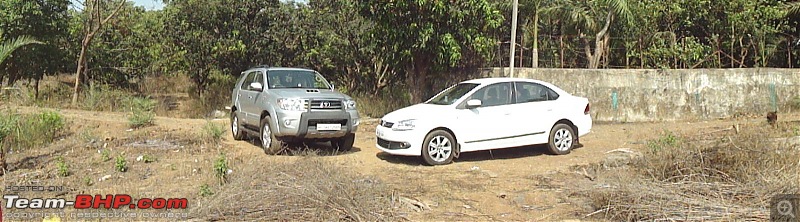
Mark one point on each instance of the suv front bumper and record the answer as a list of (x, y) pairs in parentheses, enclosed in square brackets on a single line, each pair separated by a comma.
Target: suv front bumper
[(304, 124)]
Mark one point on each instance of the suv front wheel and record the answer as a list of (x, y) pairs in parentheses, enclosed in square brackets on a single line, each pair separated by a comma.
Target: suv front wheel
[(345, 143), (271, 144)]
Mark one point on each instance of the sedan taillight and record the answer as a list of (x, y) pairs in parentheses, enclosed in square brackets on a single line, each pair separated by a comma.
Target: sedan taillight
[(586, 110)]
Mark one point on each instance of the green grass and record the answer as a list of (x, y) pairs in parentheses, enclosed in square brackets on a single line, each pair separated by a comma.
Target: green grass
[(22, 131)]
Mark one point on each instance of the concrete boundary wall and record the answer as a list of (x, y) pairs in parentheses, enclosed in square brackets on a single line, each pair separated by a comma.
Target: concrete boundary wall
[(635, 95)]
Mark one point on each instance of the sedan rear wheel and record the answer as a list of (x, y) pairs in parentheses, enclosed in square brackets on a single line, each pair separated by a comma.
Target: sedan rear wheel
[(561, 140)]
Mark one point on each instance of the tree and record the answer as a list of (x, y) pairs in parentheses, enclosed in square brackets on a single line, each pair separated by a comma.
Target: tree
[(8, 47), (92, 25), (429, 36), (44, 20)]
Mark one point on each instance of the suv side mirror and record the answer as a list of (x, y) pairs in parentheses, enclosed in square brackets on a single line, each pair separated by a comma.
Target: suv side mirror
[(256, 86), (333, 87), (473, 103)]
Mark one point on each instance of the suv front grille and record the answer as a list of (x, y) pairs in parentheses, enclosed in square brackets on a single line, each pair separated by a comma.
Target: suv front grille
[(325, 104)]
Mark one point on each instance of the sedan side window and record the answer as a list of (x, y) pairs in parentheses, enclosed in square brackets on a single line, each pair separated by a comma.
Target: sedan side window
[(532, 92), (494, 95)]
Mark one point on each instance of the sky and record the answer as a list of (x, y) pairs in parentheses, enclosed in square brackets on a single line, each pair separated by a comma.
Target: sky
[(150, 4)]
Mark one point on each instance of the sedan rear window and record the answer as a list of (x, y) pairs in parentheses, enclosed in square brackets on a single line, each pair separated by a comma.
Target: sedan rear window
[(449, 96)]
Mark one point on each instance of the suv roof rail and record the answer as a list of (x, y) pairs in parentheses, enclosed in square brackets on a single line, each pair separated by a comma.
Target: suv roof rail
[(261, 66)]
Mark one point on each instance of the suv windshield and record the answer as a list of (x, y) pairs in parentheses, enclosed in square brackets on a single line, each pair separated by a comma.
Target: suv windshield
[(282, 79), (452, 94)]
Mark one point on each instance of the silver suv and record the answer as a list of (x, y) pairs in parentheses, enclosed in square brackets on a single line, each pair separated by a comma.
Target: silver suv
[(285, 105)]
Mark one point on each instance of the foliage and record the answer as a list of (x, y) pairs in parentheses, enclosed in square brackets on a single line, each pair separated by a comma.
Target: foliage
[(105, 155), (430, 36), (23, 131), (63, 168), (43, 20), (142, 112), (221, 168), (205, 190), (120, 164), (213, 131)]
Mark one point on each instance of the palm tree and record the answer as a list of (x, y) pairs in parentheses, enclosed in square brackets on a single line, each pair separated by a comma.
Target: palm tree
[(580, 15), (793, 8), (8, 47)]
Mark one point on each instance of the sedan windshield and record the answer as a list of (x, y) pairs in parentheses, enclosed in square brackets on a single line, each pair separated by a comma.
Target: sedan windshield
[(283, 79), (452, 94)]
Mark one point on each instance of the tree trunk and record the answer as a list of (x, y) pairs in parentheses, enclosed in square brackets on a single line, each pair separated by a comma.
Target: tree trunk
[(79, 71), (599, 48), (561, 49), (535, 50), (36, 88), (418, 81)]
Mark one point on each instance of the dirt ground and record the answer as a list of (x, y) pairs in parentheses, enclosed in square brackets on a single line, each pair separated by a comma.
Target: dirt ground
[(503, 184)]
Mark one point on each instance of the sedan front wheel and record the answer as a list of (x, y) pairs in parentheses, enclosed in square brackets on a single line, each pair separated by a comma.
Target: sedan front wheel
[(438, 148)]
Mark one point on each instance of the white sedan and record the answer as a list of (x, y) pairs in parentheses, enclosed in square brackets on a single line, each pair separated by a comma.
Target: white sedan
[(483, 114)]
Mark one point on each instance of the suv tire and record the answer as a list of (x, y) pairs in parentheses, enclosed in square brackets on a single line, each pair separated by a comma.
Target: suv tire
[(271, 144), (345, 143), (236, 127)]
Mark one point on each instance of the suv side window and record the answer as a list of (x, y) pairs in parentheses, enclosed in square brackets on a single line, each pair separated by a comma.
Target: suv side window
[(494, 95), (533, 92), (252, 77)]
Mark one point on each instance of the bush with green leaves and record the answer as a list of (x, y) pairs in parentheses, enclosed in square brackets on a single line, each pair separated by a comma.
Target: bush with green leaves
[(63, 168), (120, 164), (30, 130), (221, 168), (142, 112), (213, 132)]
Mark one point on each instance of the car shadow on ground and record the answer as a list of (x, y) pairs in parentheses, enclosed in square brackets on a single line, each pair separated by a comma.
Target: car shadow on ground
[(309, 148), (477, 156)]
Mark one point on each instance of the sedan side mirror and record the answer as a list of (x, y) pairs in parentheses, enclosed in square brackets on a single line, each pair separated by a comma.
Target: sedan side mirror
[(474, 103), (256, 86)]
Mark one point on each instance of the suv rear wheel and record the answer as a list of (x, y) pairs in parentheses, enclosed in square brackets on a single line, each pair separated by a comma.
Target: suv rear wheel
[(271, 144), (345, 143), (236, 129)]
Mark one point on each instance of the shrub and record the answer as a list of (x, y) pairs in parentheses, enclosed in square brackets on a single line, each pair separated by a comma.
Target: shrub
[(221, 168), (213, 131), (63, 168), (142, 113), (120, 164), (205, 190)]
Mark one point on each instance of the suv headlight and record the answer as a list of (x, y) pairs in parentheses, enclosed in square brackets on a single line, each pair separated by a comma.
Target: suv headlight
[(404, 125), (350, 104), (292, 104)]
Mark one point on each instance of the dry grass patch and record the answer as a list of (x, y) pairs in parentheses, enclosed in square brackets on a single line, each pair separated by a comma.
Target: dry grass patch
[(731, 177), (308, 189)]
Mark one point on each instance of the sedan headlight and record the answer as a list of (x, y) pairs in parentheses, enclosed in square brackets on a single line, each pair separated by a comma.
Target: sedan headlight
[(404, 125), (292, 104), (350, 104)]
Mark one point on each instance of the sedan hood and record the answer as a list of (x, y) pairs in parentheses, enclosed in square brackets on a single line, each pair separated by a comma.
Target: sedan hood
[(308, 94), (418, 111)]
